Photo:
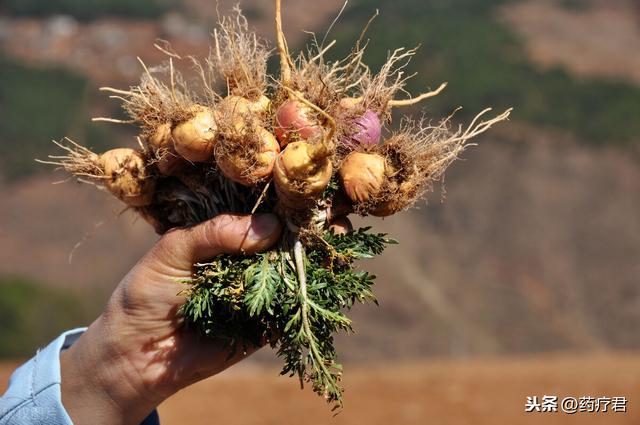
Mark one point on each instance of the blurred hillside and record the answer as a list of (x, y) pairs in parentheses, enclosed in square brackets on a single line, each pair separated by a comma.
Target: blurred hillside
[(536, 247)]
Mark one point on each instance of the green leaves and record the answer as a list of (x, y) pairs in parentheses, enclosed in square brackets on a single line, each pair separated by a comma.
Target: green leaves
[(261, 280), (252, 299), (359, 244)]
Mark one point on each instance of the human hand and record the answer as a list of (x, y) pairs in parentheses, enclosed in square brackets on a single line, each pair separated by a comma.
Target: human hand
[(135, 355)]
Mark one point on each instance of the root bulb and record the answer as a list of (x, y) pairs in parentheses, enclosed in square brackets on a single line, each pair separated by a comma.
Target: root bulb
[(295, 121), (301, 173), (122, 171), (363, 175), (126, 176), (237, 105), (250, 158), (195, 138)]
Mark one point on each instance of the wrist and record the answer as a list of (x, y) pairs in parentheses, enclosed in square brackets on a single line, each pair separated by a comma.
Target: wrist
[(100, 385)]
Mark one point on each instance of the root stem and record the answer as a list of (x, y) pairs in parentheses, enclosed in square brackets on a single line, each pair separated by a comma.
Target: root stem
[(298, 255), (417, 99), (112, 120), (285, 59)]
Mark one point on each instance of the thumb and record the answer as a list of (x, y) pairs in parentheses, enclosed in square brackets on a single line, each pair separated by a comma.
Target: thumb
[(224, 234)]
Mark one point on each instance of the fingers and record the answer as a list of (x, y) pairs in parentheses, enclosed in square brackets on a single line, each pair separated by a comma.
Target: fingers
[(341, 225), (225, 234)]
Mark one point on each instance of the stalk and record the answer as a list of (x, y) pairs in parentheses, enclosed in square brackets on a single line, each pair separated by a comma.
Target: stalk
[(298, 254), (285, 59)]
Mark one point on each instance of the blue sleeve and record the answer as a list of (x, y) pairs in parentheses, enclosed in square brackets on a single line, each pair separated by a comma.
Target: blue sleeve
[(33, 396)]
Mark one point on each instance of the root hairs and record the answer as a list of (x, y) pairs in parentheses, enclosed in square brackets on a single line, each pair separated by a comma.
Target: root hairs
[(418, 155), (239, 57)]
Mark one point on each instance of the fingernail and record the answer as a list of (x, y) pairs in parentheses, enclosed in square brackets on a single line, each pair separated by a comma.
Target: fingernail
[(263, 226), (341, 225)]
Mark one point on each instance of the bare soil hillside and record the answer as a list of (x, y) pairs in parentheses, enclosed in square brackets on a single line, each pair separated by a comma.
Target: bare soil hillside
[(594, 38)]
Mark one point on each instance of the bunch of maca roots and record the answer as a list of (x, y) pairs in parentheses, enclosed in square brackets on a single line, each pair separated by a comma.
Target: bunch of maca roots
[(312, 145)]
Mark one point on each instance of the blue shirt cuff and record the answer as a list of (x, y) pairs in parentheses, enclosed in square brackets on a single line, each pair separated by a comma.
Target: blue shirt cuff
[(34, 396)]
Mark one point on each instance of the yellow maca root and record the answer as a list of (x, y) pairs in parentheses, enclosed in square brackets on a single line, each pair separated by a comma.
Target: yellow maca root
[(160, 144), (407, 191), (237, 115), (160, 138), (122, 171), (194, 139), (245, 151), (238, 105), (126, 177), (304, 169), (301, 173), (363, 175), (255, 163)]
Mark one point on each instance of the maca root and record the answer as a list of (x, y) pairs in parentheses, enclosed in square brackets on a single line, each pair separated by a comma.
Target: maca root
[(122, 171), (416, 157), (246, 152)]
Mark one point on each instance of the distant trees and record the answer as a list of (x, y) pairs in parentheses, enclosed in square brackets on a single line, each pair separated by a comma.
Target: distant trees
[(31, 315)]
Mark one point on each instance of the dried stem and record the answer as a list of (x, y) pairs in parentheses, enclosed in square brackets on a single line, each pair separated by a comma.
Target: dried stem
[(285, 59), (173, 81), (358, 50), (417, 99), (166, 49), (322, 52), (123, 92), (112, 120), (261, 197), (326, 34), (475, 129)]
